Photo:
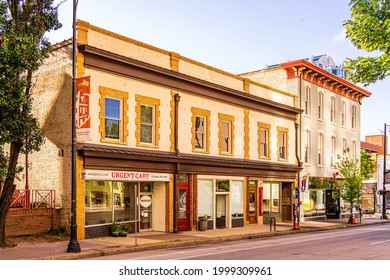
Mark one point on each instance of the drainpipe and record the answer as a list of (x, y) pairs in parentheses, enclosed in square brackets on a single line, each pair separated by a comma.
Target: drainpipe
[(175, 190), (300, 122), (27, 187), (298, 144)]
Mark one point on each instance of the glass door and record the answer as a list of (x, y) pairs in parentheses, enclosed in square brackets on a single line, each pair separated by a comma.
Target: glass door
[(252, 202), (183, 220), (146, 208)]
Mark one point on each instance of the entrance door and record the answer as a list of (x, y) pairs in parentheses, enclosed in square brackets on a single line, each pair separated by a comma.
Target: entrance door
[(183, 222), (146, 208), (220, 210), (286, 202), (252, 205), (332, 205)]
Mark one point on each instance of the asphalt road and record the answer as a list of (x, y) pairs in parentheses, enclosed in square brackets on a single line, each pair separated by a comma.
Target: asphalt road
[(356, 243)]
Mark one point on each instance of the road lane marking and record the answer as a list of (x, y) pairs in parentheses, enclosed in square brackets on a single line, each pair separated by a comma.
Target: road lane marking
[(380, 242), (271, 243)]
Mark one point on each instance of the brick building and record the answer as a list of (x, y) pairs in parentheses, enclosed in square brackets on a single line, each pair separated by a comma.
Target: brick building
[(162, 139)]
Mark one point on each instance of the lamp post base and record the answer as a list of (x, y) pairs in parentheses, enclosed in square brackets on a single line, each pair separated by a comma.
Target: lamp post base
[(74, 245)]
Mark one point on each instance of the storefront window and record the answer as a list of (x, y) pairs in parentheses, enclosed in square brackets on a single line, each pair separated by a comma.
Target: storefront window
[(314, 202), (271, 200), (275, 198), (107, 201), (98, 202), (205, 198), (237, 192), (124, 201)]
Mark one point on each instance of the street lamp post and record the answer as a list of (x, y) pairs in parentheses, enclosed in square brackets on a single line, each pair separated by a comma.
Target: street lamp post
[(384, 216), (74, 245)]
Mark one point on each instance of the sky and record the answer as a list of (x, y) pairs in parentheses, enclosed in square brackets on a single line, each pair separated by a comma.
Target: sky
[(236, 36)]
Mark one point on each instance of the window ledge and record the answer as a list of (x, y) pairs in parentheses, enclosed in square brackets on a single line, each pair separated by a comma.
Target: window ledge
[(112, 141)]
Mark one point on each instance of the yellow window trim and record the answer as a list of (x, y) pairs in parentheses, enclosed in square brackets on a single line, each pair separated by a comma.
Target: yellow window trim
[(285, 130), (206, 114), (266, 126), (223, 117), (118, 94), (153, 102)]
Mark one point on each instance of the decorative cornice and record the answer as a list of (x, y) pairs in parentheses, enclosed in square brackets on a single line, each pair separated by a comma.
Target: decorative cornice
[(321, 77), (109, 62)]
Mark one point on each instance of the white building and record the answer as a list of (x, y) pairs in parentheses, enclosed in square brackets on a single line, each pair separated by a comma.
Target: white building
[(329, 125)]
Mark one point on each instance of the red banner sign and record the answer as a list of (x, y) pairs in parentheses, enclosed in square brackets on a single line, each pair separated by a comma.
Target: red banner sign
[(83, 117)]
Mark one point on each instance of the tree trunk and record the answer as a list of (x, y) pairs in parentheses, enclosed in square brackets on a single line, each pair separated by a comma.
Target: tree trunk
[(8, 190)]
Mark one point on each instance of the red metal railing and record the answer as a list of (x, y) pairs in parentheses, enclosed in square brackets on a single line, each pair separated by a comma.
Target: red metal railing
[(29, 199)]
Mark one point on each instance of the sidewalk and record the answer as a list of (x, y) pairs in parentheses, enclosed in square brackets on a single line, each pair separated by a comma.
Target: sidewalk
[(157, 240)]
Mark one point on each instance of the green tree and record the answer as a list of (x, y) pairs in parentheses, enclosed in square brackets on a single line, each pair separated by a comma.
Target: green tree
[(23, 48), (352, 180), (369, 30), (367, 165)]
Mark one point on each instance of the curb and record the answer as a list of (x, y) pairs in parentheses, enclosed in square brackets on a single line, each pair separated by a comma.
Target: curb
[(114, 250)]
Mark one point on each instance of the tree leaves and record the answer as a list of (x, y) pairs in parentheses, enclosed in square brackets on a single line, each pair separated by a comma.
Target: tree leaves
[(369, 30), (23, 48)]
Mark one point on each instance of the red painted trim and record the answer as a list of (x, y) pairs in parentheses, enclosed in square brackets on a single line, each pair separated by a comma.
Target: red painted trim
[(260, 199), (320, 73)]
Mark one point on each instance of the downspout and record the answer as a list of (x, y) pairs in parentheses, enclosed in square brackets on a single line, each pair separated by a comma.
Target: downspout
[(298, 143), (177, 151)]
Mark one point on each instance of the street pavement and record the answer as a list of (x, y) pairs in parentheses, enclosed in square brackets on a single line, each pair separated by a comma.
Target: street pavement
[(149, 240)]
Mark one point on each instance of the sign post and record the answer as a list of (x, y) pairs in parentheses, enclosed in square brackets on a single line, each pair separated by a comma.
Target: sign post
[(295, 195)]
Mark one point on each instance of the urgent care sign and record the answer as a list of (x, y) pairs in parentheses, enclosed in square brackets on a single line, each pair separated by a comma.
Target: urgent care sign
[(127, 176)]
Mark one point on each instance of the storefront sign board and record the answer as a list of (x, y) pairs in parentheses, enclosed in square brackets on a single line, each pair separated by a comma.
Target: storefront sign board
[(125, 176)]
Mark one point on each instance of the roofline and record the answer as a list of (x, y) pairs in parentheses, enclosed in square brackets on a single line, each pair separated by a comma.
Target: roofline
[(302, 63)]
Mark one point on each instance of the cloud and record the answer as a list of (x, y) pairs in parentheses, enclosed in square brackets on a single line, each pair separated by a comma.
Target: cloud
[(339, 37)]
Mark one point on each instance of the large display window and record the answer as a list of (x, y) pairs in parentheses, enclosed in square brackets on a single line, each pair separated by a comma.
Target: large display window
[(237, 191), (108, 201), (271, 198), (205, 198)]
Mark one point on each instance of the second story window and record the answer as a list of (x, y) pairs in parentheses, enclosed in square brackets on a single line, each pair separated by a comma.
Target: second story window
[(112, 115), (147, 124), (225, 134), (147, 121), (263, 130), (200, 130), (282, 143)]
